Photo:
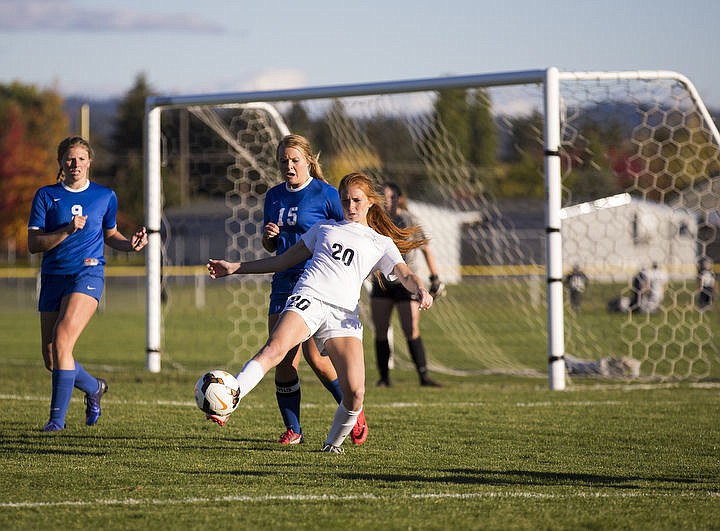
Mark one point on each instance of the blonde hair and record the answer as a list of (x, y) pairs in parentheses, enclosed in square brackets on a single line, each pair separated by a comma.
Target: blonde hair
[(406, 239), (302, 144), (64, 147)]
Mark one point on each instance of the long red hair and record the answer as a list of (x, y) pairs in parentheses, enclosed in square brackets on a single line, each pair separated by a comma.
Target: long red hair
[(406, 239)]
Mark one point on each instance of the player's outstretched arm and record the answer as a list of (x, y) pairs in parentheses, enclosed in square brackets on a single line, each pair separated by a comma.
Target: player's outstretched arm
[(221, 268), (294, 255)]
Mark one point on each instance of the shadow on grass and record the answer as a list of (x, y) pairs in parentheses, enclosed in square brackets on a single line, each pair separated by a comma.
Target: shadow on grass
[(470, 477), (500, 478), (95, 441)]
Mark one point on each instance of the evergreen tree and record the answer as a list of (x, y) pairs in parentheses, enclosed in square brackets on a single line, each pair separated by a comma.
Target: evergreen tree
[(130, 119), (521, 173), (483, 133), (452, 118), (127, 143), (393, 143), (299, 122), (463, 119)]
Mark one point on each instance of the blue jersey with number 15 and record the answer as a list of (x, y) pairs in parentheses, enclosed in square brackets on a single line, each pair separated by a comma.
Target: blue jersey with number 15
[(295, 211), (55, 205)]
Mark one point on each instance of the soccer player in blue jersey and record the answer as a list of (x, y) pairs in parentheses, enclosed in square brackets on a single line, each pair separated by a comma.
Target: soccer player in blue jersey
[(324, 304), (290, 209), (70, 223)]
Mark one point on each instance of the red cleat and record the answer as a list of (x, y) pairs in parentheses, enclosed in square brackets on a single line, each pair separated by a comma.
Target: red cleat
[(290, 437), (359, 433), (218, 419)]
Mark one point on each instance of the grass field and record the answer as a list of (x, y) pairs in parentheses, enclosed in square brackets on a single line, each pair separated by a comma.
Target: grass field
[(483, 452)]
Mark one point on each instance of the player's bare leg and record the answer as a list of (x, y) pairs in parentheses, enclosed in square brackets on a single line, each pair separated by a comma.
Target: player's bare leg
[(289, 331), (346, 354)]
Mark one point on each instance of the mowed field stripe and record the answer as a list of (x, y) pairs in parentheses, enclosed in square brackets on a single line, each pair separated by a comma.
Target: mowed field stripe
[(389, 405), (353, 497), (329, 404)]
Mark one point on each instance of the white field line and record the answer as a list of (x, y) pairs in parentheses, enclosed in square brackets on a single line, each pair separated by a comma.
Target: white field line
[(191, 404), (329, 405), (304, 498)]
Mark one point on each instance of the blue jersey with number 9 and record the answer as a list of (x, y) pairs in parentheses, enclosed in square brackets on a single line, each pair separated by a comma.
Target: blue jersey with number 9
[(54, 206)]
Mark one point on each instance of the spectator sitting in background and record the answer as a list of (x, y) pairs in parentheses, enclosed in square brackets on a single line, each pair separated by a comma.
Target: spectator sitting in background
[(576, 282), (705, 284), (657, 280)]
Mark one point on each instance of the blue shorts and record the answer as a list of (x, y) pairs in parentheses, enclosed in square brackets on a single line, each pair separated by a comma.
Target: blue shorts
[(283, 284), (53, 288), (277, 302)]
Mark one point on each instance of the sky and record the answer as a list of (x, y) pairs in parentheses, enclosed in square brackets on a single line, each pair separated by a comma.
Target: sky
[(97, 48)]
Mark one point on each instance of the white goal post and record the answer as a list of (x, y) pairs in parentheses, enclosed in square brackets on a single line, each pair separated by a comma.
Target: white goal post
[(553, 109)]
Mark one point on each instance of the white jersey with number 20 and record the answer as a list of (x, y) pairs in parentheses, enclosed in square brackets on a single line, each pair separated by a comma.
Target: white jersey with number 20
[(344, 254)]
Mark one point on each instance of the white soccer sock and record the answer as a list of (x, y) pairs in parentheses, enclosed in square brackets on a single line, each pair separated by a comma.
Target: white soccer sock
[(249, 377), (342, 425)]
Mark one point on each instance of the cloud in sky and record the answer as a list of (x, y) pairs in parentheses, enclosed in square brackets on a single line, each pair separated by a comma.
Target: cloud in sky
[(63, 15), (273, 79)]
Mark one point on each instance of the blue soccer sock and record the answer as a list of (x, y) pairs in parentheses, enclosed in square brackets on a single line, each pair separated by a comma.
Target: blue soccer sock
[(84, 381), (334, 388), (288, 398), (62, 388)]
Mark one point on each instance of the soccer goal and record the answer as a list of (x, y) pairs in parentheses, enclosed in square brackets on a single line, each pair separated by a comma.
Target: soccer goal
[(516, 177)]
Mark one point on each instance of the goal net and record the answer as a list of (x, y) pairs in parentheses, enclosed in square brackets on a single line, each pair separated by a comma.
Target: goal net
[(516, 178)]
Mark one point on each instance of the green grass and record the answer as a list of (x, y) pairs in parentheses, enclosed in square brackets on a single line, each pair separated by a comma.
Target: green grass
[(483, 452)]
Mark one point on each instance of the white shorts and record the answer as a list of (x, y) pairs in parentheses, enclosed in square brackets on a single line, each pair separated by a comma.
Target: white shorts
[(324, 320)]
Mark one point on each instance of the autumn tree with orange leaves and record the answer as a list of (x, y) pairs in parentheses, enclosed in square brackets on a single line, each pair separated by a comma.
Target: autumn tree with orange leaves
[(32, 123)]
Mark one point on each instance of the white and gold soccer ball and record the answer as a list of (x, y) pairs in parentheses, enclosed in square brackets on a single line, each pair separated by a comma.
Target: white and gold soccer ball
[(217, 393)]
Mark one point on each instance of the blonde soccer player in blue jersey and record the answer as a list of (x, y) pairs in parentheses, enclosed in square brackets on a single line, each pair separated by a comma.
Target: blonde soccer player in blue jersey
[(324, 303), (70, 222)]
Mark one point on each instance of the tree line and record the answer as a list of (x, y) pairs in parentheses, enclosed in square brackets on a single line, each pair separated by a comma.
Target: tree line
[(597, 163)]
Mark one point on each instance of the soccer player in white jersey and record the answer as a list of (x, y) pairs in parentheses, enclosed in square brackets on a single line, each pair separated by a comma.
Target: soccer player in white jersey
[(291, 208), (324, 303), (70, 223)]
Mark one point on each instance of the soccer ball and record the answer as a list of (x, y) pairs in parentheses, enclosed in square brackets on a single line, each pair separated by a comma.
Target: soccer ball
[(217, 393)]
